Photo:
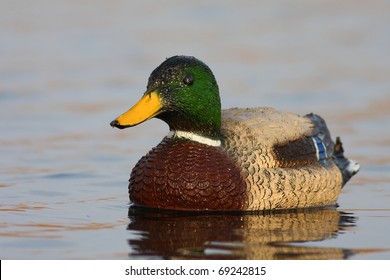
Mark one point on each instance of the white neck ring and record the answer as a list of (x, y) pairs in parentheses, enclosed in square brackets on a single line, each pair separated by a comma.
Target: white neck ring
[(194, 137)]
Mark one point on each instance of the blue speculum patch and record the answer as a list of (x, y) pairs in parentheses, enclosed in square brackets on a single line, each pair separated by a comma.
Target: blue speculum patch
[(320, 147)]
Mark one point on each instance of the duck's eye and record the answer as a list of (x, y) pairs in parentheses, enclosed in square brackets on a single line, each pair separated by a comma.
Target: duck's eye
[(188, 80)]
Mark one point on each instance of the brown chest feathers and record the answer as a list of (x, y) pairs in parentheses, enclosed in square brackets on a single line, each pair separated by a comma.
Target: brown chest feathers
[(185, 175)]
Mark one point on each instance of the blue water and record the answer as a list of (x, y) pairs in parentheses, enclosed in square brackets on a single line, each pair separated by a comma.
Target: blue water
[(67, 69)]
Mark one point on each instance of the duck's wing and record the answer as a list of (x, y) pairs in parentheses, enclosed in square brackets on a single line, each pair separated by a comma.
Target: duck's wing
[(276, 139)]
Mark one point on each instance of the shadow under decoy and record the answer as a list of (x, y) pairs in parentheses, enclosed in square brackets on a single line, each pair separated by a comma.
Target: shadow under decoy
[(261, 235)]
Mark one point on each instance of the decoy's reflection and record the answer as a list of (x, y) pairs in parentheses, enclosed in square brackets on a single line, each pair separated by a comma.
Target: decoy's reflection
[(262, 235)]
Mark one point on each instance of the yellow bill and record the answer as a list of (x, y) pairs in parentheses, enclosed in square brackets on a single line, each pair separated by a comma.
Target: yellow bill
[(146, 108)]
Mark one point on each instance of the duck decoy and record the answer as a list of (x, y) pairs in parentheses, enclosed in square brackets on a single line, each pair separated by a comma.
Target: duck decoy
[(229, 160)]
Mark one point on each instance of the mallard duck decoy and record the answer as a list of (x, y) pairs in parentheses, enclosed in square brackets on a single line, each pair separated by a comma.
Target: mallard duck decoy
[(234, 159)]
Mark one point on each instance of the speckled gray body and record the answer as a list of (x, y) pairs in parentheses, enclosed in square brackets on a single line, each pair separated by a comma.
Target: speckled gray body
[(278, 158)]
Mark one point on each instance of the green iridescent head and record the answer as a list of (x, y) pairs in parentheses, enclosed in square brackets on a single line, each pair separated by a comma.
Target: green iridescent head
[(183, 92)]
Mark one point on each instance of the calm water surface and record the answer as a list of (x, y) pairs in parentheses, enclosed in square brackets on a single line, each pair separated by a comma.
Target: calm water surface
[(68, 68)]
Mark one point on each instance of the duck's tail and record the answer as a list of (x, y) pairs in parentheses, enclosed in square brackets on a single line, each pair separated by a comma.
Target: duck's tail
[(347, 167)]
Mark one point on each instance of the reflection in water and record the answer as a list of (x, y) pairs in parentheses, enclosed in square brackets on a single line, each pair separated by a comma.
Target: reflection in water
[(178, 235)]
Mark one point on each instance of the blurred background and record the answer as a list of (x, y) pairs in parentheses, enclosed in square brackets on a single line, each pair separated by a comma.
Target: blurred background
[(67, 68)]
